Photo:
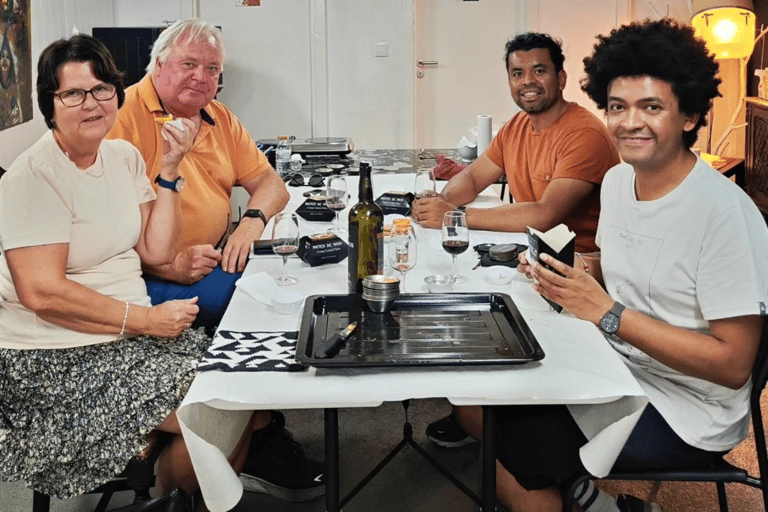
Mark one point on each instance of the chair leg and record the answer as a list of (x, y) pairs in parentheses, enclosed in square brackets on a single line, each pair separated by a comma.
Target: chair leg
[(41, 502), (722, 497)]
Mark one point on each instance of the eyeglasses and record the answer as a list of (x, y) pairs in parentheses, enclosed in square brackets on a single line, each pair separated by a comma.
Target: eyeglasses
[(75, 97), (297, 180)]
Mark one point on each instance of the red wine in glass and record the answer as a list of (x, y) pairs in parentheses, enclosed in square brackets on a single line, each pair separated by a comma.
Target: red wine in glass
[(453, 247)]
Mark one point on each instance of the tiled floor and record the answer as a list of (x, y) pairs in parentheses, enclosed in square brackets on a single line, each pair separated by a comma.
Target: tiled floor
[(409, 483)]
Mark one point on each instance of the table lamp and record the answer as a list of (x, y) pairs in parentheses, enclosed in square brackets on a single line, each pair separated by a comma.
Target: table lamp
[(728, 28)]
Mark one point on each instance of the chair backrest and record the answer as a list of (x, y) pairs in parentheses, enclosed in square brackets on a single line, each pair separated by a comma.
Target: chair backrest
[(759, 380)]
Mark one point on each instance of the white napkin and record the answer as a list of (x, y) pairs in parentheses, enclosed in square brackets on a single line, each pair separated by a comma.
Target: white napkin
[(259, 286)]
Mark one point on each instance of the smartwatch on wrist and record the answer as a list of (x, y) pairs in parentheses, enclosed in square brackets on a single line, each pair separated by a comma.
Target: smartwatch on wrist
[(609, 322), (256, 213), (176, 185)]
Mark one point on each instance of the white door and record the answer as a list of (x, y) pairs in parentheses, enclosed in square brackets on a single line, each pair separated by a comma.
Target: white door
[(462, 74)]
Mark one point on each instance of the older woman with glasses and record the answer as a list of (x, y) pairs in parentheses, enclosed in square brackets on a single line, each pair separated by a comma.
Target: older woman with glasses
[(89, 368)]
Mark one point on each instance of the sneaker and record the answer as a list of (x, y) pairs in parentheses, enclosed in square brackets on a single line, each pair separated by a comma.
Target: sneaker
[(627, 503), (448, 433), (277, 465)]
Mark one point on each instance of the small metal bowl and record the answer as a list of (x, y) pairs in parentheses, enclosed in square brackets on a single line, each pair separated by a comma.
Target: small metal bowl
[(437, 283), (380, 306)]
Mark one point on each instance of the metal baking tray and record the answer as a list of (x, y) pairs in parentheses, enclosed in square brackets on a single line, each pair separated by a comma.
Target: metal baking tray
[(421, 329)]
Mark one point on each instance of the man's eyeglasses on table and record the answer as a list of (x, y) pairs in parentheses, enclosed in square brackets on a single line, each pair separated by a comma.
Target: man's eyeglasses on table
[(297, 180), (75, 97)]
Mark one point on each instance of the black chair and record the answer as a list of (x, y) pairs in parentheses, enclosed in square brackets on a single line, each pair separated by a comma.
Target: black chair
[(138, 476), (721, 472)]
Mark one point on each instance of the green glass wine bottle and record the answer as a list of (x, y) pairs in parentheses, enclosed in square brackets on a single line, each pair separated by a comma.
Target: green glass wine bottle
[(366, 245)]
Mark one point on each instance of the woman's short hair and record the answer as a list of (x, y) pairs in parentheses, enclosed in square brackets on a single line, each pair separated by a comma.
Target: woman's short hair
[(78, 48), (662, 49), (532, 41), (191, 30)]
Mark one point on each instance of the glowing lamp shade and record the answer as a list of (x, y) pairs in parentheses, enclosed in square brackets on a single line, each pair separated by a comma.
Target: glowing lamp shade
[(727, 26)]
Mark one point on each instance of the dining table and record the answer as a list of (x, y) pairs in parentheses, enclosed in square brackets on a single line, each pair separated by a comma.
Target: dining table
[(579, 368)]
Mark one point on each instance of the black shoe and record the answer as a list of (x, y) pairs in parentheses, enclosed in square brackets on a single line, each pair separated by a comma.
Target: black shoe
[(627, 503), (448, 433), (276, 465)]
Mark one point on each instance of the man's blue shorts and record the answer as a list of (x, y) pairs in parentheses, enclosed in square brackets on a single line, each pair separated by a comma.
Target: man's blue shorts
[(214, 292)]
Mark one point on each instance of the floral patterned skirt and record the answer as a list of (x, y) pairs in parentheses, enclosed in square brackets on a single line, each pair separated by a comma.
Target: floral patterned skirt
[(71, 419)]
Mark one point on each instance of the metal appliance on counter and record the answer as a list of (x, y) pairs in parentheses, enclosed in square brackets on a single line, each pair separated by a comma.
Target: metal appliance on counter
[(319, 150)]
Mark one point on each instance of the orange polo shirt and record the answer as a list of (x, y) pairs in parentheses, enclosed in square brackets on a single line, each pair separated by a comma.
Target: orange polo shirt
[(222, 156), (576, 145)]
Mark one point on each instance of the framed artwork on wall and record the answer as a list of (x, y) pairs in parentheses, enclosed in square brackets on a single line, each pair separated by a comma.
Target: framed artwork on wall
[(15, 63)]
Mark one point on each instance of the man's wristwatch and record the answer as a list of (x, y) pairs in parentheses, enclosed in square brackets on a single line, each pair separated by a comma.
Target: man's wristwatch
[(176, 185), (256, 213), (609, 322)]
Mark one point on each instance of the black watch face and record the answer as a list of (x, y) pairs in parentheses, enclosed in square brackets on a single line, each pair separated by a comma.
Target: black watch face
[(609, 323)]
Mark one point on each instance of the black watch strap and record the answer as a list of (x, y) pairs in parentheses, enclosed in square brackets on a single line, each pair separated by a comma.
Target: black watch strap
[(256, 213), (609, 323)]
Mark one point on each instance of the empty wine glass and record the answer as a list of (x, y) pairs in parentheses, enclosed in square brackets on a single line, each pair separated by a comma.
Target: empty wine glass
[(285, 241), (424, 184), (336, 199), (455, 238), (402, 250)]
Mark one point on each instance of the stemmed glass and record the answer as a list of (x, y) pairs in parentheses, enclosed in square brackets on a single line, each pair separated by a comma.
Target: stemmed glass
[(336, 198), (424, 184), (285, 241), (455, 238), (402, 250)]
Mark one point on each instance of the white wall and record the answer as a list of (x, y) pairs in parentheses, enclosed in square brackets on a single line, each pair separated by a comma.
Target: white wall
[(51, 20)]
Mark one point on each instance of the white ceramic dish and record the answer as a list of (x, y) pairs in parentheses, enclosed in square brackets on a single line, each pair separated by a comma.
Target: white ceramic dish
[(437, 283), (498, 274), (287, 302)]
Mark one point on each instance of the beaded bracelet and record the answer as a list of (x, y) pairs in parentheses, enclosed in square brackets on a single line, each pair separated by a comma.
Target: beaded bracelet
[(125, 318), (586, 267)]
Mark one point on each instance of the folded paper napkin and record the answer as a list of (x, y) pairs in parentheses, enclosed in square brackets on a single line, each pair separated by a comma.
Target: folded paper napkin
[(446, 168), (259, 286), (235, 351)]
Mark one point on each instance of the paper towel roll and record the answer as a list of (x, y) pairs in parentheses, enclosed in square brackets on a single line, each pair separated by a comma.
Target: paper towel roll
[(483, 133)]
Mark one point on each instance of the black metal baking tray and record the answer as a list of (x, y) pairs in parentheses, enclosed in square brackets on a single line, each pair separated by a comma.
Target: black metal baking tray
[(421, 329)]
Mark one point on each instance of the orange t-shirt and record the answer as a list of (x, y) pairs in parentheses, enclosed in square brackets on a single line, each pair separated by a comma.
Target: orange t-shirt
[(222, 156), (576, 145)]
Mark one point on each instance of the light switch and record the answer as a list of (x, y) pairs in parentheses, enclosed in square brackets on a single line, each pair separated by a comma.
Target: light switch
[(382, 49)]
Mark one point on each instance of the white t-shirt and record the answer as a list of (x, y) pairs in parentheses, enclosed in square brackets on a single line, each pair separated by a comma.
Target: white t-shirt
[(46, 199), (699, 253)]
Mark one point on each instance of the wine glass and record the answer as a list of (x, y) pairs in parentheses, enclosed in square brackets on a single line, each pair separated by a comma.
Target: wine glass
[(336, 199), (424, 184), (455, 238), (285, 241), (402, 251)]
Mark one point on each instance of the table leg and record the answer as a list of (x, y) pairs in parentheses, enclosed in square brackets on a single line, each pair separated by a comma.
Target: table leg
[(332, 460), (489, 459)]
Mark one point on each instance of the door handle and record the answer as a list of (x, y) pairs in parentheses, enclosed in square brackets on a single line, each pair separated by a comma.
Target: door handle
[(423, 63)]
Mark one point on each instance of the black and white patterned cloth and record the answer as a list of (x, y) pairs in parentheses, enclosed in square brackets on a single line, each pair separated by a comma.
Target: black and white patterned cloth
[(258, 351)]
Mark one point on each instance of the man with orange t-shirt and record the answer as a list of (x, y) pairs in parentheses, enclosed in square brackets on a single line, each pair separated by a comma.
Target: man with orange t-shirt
[(554, 154)]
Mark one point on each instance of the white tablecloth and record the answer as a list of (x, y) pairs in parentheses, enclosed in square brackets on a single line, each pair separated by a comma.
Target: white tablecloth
[(579, 369)]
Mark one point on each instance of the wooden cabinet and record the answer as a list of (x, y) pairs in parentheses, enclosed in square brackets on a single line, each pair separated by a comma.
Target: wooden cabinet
[(757, 152)]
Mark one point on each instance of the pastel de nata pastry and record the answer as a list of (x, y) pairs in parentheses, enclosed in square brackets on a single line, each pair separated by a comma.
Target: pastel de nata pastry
[(169, 119)]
